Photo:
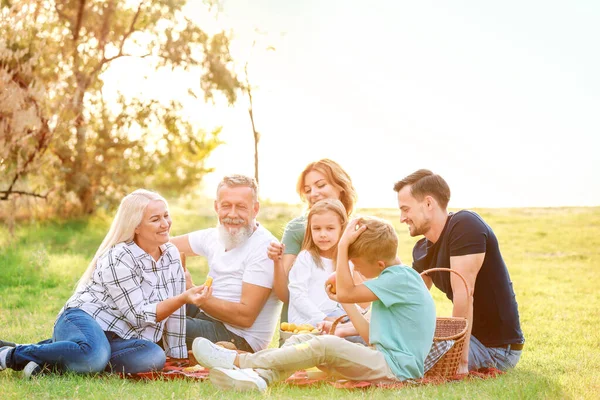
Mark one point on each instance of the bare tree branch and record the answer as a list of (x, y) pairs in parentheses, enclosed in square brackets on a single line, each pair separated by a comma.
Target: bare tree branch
[(4, 194)]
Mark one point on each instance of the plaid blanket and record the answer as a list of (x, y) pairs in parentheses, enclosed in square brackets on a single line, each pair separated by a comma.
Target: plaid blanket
[(438, 349)]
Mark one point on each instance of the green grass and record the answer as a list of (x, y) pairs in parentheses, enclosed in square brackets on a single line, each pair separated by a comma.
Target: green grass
[(553, 256)]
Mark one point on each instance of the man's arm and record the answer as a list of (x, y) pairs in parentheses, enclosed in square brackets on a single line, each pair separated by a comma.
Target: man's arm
[(468, 266), (242, 314), (183, 245), (428, 281)]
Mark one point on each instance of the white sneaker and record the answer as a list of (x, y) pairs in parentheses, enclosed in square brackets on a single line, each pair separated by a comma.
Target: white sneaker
[(210, 355), (237, 379), (31, 369), (3, 355)]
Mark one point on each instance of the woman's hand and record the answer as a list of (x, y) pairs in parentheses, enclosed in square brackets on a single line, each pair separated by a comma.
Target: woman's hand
[(275, 251), (351, 233), (198, 295)]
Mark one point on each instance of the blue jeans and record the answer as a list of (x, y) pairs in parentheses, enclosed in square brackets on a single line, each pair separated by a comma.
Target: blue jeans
[(486, 357), (198, 324), (80, 345)]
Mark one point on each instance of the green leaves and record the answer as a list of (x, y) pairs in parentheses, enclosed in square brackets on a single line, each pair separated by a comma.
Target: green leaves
[(54, 56)]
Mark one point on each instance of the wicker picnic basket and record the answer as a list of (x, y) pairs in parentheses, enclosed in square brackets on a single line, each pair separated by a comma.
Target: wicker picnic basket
[(449, 328), (446, 328)]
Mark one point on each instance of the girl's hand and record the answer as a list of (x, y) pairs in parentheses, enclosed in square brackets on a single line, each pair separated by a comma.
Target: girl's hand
[(198, 295), (352, 232), (275, 251)]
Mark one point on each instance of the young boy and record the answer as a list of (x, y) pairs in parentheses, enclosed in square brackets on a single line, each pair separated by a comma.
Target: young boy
[(400, 332)]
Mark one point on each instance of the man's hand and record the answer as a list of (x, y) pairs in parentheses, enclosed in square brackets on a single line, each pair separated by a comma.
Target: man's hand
[(351, 233)]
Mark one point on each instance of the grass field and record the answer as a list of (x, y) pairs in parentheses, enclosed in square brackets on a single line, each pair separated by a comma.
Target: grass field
[(553, 257)]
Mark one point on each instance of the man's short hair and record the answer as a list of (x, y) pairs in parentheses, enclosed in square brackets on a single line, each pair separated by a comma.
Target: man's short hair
[(236, 180), (378, 242), (425, 183)]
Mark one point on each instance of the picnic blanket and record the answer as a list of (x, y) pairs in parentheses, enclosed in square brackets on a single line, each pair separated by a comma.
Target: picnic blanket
[(181, 369), (309, 378)]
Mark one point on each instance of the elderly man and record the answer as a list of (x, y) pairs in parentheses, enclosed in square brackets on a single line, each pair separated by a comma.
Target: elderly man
[(464, 242), (242, 309)]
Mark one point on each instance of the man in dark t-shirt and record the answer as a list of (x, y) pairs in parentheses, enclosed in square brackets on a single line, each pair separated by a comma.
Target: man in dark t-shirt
[(464, 242)]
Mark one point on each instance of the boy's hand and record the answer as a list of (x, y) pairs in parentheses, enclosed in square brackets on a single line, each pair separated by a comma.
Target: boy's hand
[(330, 294), (275, 251), (352, 231), (324, 326)]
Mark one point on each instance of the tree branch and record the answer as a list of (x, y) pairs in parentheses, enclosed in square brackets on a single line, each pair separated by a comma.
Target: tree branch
[(125, 37), (4, 194)]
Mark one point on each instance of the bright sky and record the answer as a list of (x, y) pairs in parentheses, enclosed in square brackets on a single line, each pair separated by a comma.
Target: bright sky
[(500, 98)]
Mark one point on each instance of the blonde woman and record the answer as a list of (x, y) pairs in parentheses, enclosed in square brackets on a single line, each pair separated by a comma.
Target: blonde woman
[(128, 305)]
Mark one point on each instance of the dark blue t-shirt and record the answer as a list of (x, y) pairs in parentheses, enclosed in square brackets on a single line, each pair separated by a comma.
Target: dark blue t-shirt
[(495, 311)]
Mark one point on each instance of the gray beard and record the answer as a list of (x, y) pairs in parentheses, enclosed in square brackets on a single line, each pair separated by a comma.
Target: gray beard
[(233, 240)]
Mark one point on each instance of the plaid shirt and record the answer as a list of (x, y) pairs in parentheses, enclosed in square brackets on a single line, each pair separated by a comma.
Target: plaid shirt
[(126, 287)]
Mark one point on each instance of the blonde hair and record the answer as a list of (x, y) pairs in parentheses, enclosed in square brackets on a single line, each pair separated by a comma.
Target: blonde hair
[(239, 180), (378, 242), (318, 208), (128, 217), (336, 176)]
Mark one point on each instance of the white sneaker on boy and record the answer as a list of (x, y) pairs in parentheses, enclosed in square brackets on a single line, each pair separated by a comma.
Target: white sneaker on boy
[(210, 355), (3, 355), (237, 379)]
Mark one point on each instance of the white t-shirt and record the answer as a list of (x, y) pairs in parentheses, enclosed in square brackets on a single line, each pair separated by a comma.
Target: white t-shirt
[(308, 301), (229, 269)]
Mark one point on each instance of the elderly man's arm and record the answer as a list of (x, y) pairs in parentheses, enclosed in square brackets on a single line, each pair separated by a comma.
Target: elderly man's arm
[(183, 245), (242, 314)]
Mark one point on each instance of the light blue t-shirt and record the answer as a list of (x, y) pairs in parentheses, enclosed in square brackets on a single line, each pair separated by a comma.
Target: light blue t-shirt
[(402, 320)]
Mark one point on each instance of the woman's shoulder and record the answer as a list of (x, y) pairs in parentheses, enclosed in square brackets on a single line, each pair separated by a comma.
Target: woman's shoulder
[(124, 252), (297, 223)]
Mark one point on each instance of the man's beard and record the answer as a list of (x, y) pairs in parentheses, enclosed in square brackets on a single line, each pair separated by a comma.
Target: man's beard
[(232, 240)]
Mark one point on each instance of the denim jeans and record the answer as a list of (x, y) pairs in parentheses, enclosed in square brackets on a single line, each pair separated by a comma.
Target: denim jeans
[(485, 357), (199, 324), (80, 345)]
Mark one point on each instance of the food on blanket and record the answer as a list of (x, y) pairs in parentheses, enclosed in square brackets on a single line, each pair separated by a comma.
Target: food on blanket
[(208, 281), (300, 328), (331, 282), (195, 368)]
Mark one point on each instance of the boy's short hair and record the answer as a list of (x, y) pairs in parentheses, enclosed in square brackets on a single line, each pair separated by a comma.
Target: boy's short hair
[(378, 242)]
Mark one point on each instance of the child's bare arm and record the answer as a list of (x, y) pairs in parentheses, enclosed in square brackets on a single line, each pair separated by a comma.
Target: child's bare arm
[(347, 290), (361, 324), (280, 278)]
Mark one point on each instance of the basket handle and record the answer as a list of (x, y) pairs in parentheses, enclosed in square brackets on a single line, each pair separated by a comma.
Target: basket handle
[(336, 323), (449, 270)]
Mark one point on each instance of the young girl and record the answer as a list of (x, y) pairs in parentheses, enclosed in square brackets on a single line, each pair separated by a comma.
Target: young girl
[(309, 303)]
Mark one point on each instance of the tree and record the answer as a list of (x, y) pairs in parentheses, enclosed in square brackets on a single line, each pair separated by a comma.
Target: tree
[(94, 151)]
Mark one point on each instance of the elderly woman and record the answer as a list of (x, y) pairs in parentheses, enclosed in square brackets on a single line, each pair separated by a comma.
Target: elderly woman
[(128, 305)]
